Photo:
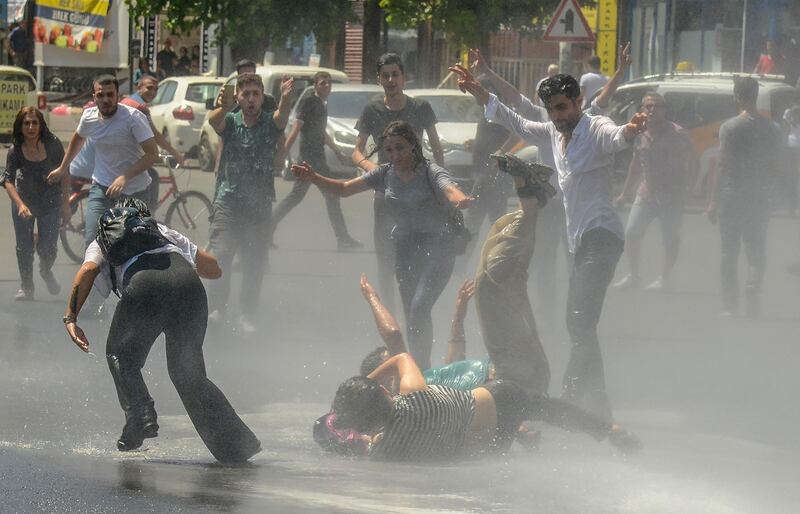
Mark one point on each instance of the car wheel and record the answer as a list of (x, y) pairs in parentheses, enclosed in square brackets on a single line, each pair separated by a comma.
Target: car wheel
[(205, 156)]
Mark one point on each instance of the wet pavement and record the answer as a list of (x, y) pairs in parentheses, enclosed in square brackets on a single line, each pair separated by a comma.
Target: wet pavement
[(713, 400)]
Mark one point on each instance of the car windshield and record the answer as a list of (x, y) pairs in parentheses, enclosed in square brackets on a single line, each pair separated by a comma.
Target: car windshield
[(202, 92), (454, 109), (349, 104)]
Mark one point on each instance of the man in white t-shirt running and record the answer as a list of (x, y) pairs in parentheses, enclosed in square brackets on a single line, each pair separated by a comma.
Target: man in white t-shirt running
[(124, 149)]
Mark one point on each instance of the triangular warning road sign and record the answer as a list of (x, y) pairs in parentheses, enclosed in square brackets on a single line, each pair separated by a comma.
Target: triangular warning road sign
[(568, 24)]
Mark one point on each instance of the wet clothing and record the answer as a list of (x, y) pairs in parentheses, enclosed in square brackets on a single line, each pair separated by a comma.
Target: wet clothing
[(238, 227), (504, 310), (162, 293), (242, 214), (373, 121), (247, 159), (463, 375), (592, 271), (43, 200), (431, 424), (424, 249), (749, 149)]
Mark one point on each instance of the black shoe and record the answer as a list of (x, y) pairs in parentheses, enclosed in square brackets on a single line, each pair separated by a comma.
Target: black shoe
[(537, 177), (53, 287), (136, 430), (24, 295), (349, 243)]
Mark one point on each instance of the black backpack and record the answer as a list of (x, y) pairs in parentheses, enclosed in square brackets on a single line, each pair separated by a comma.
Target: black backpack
[(123, 233)]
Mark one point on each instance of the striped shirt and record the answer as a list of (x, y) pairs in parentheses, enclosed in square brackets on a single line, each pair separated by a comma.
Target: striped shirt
[(427, 425)]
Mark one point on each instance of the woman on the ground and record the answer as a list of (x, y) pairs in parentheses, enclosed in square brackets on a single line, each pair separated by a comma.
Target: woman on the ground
[(421, 197), (34, 152)]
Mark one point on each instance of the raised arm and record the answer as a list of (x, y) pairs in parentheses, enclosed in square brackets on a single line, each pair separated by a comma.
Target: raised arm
[(216, 118), (341, 188), (81, 286), (604, 98), (457, 345), (403, 368), (388, 328), (281, 116), (507, 93)]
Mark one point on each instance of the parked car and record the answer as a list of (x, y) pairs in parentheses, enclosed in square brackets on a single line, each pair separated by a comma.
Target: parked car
[(345, 104), (18, 89), (271, 76), (458, 116), (700, 103), (179, 108)]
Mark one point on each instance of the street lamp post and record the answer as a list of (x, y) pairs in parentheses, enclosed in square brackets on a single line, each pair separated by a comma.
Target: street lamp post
[(744, 36)]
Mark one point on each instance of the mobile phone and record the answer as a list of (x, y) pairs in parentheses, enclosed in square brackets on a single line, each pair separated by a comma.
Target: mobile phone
[(227, 94)]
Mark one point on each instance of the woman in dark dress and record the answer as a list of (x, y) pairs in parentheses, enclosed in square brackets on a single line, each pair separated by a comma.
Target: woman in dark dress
[(34, 153)]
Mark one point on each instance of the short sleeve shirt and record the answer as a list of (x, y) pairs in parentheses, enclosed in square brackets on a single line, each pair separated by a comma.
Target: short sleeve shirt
[(313, 112), (749, 146), (247, 159), (416, 206), (30, 177), (593, 82), (117, 141), (138, 103), (376, 117)]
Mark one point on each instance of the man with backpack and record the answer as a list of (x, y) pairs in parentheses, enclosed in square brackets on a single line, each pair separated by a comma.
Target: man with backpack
[(156, 273)]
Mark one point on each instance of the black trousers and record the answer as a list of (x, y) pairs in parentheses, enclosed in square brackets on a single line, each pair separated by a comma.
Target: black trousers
[(47, 220), (163, 294), (593, 268)]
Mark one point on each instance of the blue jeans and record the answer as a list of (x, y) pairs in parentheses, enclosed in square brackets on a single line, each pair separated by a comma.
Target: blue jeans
[(423, 265), (98, 203), (47, 245)]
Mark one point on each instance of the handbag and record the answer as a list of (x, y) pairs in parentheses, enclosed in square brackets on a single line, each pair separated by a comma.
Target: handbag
[(461, 236)]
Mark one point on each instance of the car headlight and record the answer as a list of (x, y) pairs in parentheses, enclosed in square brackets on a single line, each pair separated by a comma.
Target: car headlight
[(345, 138)]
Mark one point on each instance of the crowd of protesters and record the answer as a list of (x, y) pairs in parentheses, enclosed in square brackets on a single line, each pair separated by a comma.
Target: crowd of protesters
[(389, 410)]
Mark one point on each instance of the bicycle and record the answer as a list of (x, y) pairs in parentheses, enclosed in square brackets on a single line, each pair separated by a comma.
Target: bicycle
[(189, 212)]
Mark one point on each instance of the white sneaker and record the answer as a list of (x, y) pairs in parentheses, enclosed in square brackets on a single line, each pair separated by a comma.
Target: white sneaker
[(659, 285), (628, 282)]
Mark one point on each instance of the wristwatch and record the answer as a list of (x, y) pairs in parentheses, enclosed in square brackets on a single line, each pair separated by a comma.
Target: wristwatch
[(68, 319)]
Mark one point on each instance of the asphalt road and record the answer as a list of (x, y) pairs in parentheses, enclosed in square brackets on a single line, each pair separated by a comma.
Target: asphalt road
[(714, 400)]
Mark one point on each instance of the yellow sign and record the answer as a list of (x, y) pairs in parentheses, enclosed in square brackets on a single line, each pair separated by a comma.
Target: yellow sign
[(606, 34), (12, 99)]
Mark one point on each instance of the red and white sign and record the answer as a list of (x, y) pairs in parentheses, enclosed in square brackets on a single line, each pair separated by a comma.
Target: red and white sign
[(568, 24)]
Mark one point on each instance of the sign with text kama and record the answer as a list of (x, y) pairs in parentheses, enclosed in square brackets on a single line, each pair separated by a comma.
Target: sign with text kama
[(74, 24), (568, 24)]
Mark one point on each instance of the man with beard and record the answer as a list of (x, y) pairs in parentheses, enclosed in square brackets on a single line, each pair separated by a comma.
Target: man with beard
[(125, 148), (583, 146)]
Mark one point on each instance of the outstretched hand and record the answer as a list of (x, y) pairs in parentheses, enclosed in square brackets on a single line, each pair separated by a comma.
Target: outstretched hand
[(303, 172), (78, 337), (636, 126), (468, 84)]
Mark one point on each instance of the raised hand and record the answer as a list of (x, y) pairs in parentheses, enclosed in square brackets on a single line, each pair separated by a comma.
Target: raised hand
[(636, 126), (478, 62), (287, 86), (465, 292), (468, 84), (625, 59)]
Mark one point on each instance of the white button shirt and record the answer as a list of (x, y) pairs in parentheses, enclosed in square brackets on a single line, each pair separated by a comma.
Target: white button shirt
[(585, 171)]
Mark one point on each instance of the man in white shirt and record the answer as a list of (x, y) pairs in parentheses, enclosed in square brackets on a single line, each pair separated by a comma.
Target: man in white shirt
[(592, 81), (124, 149), (583, 146)]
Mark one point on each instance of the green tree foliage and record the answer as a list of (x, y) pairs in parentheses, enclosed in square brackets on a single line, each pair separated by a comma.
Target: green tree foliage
[(255, 22), (470, 22)]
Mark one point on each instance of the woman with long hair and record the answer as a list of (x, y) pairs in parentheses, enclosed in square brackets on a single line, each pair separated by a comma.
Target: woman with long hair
[(34, 153), (421, 197)]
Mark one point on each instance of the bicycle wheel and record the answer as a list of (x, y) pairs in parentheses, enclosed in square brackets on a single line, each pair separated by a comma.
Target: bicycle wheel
[(190, 214), (71, 234)]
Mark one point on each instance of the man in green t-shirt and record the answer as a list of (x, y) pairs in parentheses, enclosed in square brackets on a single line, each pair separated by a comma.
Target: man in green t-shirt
[(245, 190)]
